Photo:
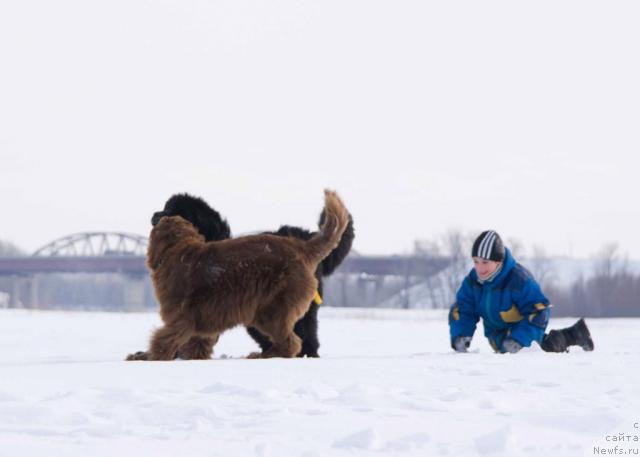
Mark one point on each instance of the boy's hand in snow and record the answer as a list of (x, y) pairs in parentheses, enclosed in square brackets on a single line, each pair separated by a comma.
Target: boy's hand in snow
[(511, 346), (461, 343)]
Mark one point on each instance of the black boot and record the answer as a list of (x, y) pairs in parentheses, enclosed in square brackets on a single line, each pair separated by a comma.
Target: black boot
[(560, 340), (579, 335), (554, 341)]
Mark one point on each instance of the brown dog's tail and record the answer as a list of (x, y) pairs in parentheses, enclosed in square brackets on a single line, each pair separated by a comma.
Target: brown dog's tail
[(335, 223)]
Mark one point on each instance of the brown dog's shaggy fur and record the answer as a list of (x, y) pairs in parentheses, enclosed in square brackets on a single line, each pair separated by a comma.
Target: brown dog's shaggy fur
[(262, 281)]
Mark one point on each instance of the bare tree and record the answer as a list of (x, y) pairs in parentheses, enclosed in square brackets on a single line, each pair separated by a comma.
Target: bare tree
[(8, 249), (516, 247), (439, 290), (609, 262), (433, 289), (457, 246), (426, 248), (541, 267)]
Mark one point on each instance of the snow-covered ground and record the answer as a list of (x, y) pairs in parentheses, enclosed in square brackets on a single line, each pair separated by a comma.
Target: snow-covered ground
[(387, 384)]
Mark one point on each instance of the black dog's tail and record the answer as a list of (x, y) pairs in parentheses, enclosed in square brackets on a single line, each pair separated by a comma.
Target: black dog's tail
[(336, 220)]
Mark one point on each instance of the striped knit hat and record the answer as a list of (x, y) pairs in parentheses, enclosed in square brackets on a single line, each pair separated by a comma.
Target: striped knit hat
[(488, 246)]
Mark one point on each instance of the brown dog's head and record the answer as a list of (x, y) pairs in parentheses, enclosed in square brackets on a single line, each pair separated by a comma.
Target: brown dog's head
[(170, 234)]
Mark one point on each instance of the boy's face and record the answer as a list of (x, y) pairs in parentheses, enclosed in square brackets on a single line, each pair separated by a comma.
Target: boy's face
[(485, 268)]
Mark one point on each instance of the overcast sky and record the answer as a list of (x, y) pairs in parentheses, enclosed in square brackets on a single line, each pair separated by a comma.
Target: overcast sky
[(523, 117)]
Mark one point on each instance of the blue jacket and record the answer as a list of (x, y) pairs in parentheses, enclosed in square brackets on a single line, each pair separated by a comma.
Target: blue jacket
[(510, 305)]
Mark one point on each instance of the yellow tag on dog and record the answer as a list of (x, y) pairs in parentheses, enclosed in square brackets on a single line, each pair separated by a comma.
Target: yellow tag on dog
[(317, 298)]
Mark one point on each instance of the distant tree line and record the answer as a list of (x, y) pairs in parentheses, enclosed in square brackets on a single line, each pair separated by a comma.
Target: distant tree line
[(611, 290)]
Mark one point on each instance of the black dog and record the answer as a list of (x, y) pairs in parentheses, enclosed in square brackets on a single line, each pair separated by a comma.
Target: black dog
[(214, 228), (207, 220)]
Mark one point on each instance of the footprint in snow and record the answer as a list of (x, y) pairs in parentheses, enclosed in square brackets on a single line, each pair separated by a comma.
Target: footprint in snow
[(476, 373), (545, 384), (263, 450), (494, 388), (452, 395), (365, 439), (494, 442), (408, 443)]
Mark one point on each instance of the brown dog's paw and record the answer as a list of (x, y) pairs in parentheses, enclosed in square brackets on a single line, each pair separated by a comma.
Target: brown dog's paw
[(255, 355), (140, 355)]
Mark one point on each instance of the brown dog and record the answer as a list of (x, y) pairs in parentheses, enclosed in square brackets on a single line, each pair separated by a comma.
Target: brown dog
[(262, 281)]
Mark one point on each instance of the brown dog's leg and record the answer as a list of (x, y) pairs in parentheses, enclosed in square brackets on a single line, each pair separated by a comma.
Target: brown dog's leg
[(166, 341), (284, 346), (198, 348), (279, 328)]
